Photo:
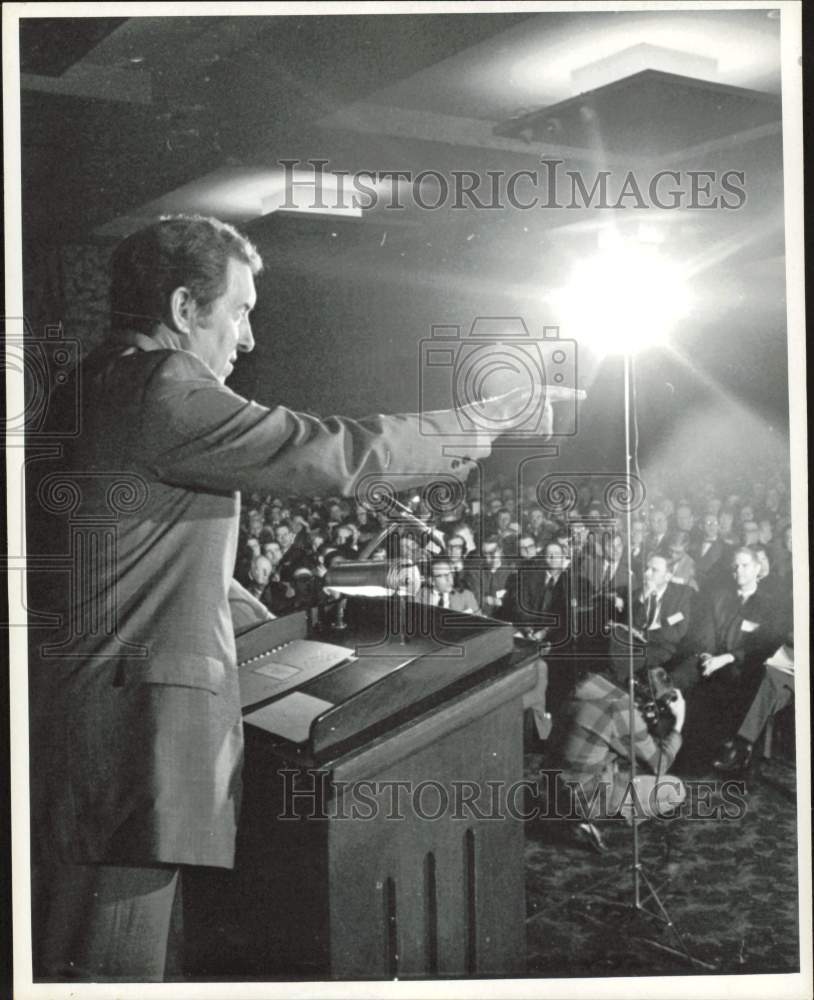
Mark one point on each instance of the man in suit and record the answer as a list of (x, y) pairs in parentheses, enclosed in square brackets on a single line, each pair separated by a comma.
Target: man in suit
[(506, 531), (442, 592), (488, 577), (656, 540), (662, 613), (711, 556), (774, 693), (524, 585), (738, 631), (294, 555), (136, 730), (682, 565)]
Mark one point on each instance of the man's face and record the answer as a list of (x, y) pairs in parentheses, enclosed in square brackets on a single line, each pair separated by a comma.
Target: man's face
[(442, 579), (528, 548), (273, 552), (657, 574), (750, 533), (260, 571), (504, 519), (745, 569), (536, 518), (684, 518), (637, 532), (677, 551), (255, 523), (659, 522), (283, 536), (710, 527), (455, 548), (491, 555), (554, 556), (764, 532), (612, 546), (219, 332)]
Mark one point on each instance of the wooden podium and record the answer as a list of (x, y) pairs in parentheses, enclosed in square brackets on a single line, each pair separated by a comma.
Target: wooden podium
[(398, 854)]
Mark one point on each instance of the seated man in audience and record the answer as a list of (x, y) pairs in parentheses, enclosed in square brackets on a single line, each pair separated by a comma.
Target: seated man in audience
[(662, 612), (590, 744), (488, 582), (775, 692), (294, 555), (711, 556), (521, 602), (538, 526), (442, 592), (726, 527), (260, 572), (682, 565), (638, 555), (456, 552), (656, 540), (737, 632), (685, 521), (611, 576), (506, 531)]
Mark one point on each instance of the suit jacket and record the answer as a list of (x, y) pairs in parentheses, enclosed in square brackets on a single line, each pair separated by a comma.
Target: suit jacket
[(459, 600), (484, 584), (673, 623), (136, 729), (684, 572), (712, 568), (748, 631), (559, 608)]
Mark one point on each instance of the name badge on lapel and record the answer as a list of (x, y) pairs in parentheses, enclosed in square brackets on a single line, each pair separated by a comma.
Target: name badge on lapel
[(747, 626), (676, 618)]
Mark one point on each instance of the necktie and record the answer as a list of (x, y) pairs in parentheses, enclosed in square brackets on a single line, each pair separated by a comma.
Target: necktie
[(444, 601), (652, 606)]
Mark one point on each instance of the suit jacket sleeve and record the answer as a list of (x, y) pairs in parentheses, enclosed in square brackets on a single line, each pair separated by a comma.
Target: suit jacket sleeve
[(197, 433)]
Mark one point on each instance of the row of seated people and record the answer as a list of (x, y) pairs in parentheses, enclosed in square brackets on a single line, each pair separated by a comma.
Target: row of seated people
[(567, 597), (713, 516)]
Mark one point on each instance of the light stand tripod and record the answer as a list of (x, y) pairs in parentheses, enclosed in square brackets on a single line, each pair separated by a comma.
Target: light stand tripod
[(640, 876)]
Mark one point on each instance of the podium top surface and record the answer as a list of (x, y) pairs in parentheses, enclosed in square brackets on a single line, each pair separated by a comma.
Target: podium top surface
[(402, 659)]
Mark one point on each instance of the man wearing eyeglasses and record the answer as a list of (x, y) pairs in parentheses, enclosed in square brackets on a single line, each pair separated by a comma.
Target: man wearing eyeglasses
[(442, 593)]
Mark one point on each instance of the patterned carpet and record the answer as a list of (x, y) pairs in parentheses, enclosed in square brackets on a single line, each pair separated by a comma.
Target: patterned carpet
[(729, 885)]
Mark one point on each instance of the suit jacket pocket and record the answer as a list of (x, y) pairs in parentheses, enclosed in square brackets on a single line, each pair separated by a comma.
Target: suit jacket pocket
[(183, 670)]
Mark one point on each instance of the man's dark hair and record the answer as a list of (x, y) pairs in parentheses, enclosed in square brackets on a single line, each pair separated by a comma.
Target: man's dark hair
[(189, 251)]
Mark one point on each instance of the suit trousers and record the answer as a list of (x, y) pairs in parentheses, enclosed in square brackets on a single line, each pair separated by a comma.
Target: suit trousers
[(107, 923), (776, 691)]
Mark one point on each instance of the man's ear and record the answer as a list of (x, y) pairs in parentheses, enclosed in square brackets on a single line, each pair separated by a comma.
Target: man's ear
[(182, 309)]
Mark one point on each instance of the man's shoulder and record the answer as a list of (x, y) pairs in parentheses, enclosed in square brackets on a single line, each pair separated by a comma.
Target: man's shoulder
[(678, 593), (168, 365), (147, 371)]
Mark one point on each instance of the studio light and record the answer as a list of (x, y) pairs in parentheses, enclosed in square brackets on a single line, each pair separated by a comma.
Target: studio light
[(627, 296)]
